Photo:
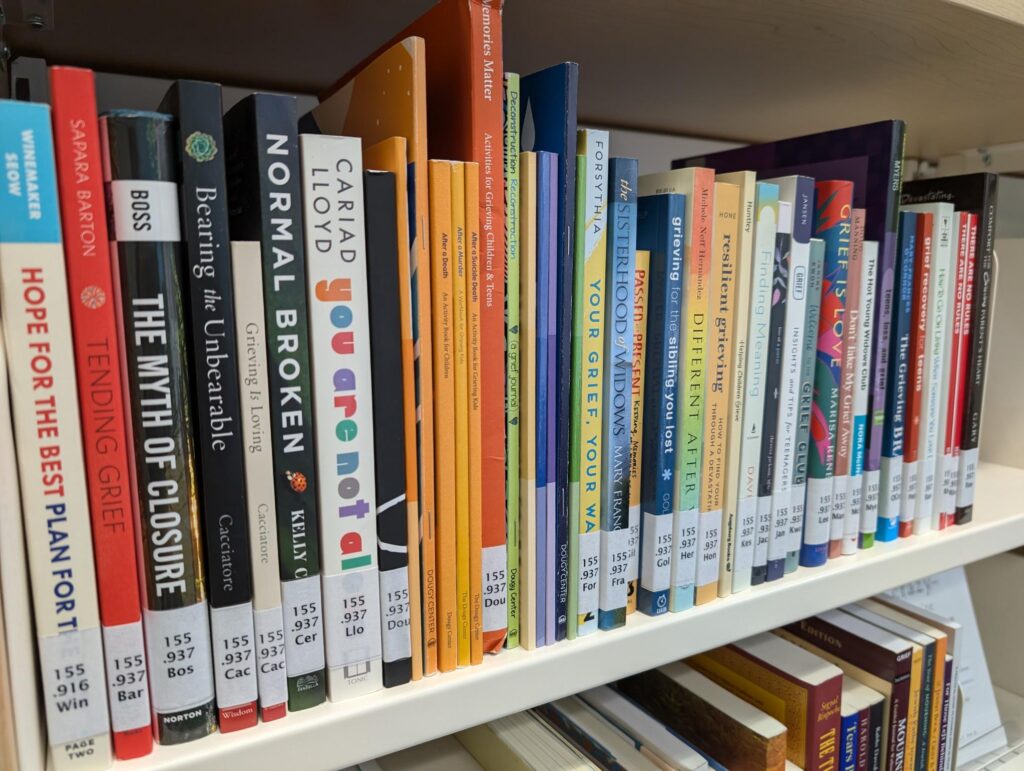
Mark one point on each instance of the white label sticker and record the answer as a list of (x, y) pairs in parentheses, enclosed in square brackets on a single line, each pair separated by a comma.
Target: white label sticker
[(124, 650), (908, 496), (710, 546), (656, 571), (779, 534), (234, 655), (634, 542), (746, 518), (818, 513), (870, 502), (178, 653), (797, 500), (840, 506), (857, 498), (968, 472), (494, 563), (891, 488), (303, 625), (72, 672), (616, 557), (394, 599), (145, 210), (686, 540), (951, 473), (589, 572), (352, 617), (763, 529), (926, 492), (272, 675)]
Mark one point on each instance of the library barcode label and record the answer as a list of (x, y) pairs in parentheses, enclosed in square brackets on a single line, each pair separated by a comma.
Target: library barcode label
[(303, 624), (72, 671), (494, 564), (234, 660), (178, 647), (124, 648), (394, 592)]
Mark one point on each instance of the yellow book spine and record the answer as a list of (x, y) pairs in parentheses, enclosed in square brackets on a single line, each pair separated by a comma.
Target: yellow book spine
[(461, 347), (717, 389), (443, 303), (914, 703), (636, 423), (476, 609), (937, 688)]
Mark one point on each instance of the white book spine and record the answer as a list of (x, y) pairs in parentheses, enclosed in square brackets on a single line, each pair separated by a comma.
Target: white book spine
[(865, 511), (335, 232), (250, 324), (58, 540)]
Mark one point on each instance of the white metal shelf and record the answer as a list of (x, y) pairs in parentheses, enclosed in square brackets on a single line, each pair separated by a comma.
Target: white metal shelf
[(333, 736)]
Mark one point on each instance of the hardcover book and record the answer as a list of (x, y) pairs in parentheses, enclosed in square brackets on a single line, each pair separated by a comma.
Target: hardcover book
[(697, 185), (619, 331), (97, 349), (975, 193), (268, 621), (636, 422), (211, 309), (756, 372), (548, 105), (388, 98), (44, 409), (142, 188), (867, 517), (660, 230), (793, 686), (589, 293), (382, 285), (706, 715), (265, 205)]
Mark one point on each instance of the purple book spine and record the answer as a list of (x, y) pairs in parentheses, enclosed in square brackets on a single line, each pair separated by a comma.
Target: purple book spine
[(552, 428)]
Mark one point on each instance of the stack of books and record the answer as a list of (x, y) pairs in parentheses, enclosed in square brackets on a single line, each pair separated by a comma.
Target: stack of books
[(308, 406)]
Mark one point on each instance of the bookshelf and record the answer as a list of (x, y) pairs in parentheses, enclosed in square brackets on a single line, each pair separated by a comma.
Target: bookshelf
[(337, 735)]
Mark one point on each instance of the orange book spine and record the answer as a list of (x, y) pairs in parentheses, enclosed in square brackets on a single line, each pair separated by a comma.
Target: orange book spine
[(461, 338), (473, 304), (442, 302)]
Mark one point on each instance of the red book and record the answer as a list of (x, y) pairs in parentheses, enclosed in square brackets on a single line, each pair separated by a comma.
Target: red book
[(465, 121), (915, 373), (97, 361), (961, 354)]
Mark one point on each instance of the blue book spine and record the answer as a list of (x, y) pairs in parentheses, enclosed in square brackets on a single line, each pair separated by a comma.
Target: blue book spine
[(660, 221), (848, 750), (554, 544), (891, 484), (617, 401)]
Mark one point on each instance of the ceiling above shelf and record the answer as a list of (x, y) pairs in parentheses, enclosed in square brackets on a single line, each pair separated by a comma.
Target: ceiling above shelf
[(742, 70)]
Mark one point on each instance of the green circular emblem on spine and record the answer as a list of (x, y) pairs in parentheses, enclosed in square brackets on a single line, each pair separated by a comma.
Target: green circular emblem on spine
[(200, 147)]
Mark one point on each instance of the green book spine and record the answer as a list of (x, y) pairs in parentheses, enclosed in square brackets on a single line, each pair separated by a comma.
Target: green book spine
[(512, 352), (575, 397)]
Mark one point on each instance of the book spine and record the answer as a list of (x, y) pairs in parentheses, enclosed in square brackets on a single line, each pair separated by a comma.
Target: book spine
[(636, 420), (528, 393), (383, 285), (924, 259), (896, 391), (963, 351), (926, 740), (770, 404), (798, 499), (956, 336), (779, 542), (824, 735), (211, 306), (616, 493), (863, 738), (756, 368), (737, 388), (848, 732), (698, 224), (933, 396), (718, 387), (842, 494), (875, 743), (96, 347), (493, 575), (833, 210), (591, 306), (981, 322), (51, 466), (545, 303), (948, 686), (662, 234), (443, 304), (556, 446), (485, 50), (867, 516), (476, 568), (250, 330), (460, 340), (576, 403), (143, 196)]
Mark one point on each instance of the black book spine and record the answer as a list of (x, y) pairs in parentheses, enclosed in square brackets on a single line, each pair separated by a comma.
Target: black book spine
[(142, 194), (220, 454), (265, 205), (388, 431)]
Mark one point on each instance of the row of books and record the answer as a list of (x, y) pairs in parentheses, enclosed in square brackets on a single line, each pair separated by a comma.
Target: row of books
[(873, 685), (335, 429)]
